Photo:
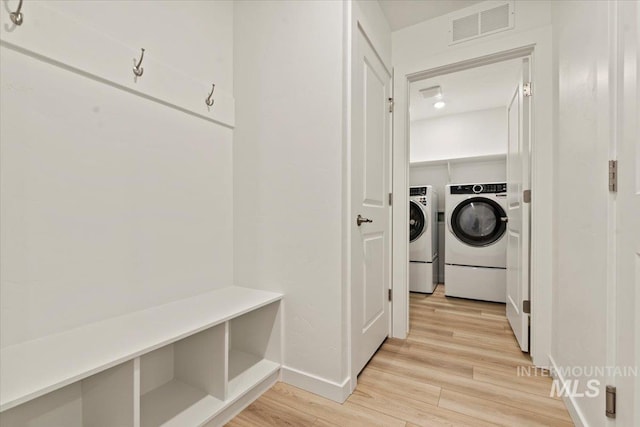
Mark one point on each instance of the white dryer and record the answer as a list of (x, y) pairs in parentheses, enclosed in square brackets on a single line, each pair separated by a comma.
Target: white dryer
[(423, 239), (475, 243)]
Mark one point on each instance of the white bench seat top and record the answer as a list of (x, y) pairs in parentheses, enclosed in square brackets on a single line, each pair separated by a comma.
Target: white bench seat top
[(34, 368)]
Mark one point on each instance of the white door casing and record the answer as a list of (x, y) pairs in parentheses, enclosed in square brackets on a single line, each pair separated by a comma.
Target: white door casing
[(518, 230), (371, 243), (627, 200)]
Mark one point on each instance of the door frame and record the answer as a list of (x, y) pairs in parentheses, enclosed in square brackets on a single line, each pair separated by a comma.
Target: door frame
[(537, 45)]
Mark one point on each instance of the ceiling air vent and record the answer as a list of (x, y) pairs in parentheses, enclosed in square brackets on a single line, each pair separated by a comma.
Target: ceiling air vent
[(481, 20)]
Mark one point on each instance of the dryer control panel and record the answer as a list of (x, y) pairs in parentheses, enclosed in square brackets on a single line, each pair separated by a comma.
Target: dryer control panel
[(479, 188), (417, 191), (419, 194)]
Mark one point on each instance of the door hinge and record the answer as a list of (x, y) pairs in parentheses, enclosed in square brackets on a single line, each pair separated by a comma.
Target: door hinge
[(613, 175), (390, 294), (611, 402), (526, 307), (526, 196), (390, 199), (391, 105), (527, 89)]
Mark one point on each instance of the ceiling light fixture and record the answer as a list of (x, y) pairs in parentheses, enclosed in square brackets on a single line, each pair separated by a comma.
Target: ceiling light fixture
[(431, 92), (438, 105)]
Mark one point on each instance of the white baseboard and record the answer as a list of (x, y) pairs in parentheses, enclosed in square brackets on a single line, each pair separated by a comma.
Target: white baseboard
[(315, 384), (576, 415)]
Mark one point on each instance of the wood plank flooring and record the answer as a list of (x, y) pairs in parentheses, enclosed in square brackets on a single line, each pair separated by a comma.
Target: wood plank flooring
[(458, 367)]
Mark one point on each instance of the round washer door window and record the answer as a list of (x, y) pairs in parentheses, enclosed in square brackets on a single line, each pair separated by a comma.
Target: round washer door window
[(417, 221), (478, 221)]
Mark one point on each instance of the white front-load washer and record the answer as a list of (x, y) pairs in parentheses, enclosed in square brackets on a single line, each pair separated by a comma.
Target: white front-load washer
[(423, 239), (475, 243)]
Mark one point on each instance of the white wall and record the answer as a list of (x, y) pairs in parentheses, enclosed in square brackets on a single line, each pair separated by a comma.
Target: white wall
[(288, 57), (195, 37), (581, 203), (470, 134), (112, 202)]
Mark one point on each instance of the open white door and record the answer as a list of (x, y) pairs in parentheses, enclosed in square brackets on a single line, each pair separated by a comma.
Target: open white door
[(518, 210), (627, 210), (370, 235)]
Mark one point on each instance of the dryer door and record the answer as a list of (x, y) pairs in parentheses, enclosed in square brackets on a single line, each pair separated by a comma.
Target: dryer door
[(478, 221), (417, 221)]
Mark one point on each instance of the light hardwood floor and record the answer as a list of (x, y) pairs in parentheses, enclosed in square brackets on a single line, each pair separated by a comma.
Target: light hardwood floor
[(458, 367)]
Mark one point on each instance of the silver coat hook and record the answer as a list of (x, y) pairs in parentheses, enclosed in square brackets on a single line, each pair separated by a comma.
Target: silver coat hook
[(16, 17), (209, 100), (137, 69)]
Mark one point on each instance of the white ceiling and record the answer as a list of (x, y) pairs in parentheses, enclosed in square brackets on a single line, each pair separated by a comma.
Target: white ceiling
[(403, 13), (479, 88)]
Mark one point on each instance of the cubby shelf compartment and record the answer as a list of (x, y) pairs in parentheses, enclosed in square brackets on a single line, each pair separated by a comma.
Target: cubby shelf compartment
[(184, 384), (177, 404), (247, 370), (254, 348), (102, 400), (178, 364)]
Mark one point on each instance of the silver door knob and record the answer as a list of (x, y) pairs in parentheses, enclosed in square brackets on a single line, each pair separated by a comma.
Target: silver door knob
[(504, 219), (360, 219)]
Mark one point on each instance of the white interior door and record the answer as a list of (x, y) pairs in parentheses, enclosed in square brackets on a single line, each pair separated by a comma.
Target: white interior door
[(628, 218), (370, 241), (517, 210)]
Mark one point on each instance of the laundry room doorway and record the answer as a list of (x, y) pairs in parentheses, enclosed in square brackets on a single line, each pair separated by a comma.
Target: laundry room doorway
[(466, 128), (469, 153)]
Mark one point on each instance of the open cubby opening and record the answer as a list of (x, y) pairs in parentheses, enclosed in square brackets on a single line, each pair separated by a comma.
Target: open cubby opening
[(221, 351), (254, 348), (101, 400), (184, 383)]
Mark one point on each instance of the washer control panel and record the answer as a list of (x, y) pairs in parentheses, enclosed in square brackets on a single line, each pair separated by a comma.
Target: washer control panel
[(417, 191), (492, 188), (419, 194)]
